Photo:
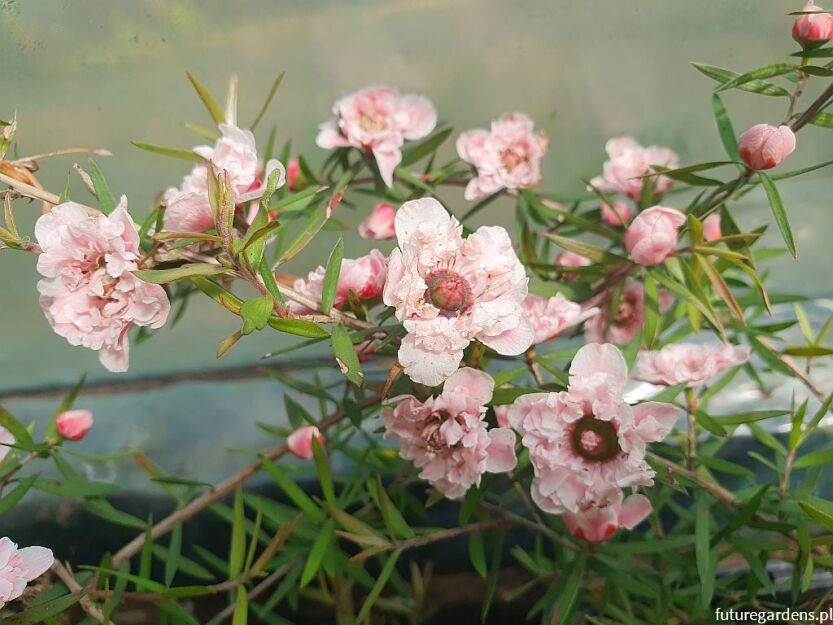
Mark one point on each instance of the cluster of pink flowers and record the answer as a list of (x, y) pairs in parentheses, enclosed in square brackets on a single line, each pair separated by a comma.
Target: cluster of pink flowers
[(508, 156), (88, 294), (378, 120), (448, 291), (446, 436), (18, 567), (628, 162), (586, 444), (188, 208), (685, 362), (364, 276)]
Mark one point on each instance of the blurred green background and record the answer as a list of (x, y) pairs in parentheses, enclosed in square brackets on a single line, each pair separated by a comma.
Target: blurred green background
[(82, 72)]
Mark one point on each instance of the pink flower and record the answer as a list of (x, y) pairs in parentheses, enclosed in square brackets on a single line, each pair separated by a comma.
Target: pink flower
[(88, 294), (506, 157), (364, 276), (18, 567), (188, 208), (599, 523), (586, 443), (446, 436), (764, 146), (6, 439), (551, 316), (74, 424), (449, 291), (652, 235), (378, 224), (815, 29), (629, 319), (685, 362), (711, 227), (293, 170), (300, 441), (618, 214), (571, 259), (628, 161), (378, 120)]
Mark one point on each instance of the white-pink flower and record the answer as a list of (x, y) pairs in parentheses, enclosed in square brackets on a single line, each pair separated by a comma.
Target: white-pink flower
[(626, 324), (508, 156), (449, 291), (586, 443), (18, 567), (446, 436), (188, 208), (299, 442), (378, 120), (550, 316), (74, 424), (88, 294), (652, 235), (364, 276), (628, 162), (378, 225), (599, 523), (689, 363)]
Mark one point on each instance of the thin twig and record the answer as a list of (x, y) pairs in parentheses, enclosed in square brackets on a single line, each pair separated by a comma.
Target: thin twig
[(64, 152), (66, 576), (258, 590)]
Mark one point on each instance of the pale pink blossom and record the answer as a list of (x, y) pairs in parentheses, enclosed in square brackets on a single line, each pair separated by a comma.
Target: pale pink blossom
[(599, 523), (446, 436), (378, 120), (571, 259), (550, 316), (364, 276), (586, 444), (74, 424), (764, 146), (300, 441), (812, 30), (6, 439), (626, 324), (88, 294), (689, 363), (508, 156), (628, 162), (449, 291), (618, 214), (711, 227), (652, 235), (378, 225), (188, 208), (18, 567)]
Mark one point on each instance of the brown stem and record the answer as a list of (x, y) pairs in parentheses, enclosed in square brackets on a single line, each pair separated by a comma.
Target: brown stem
[(818, 104), (66, 576), (64, 152)]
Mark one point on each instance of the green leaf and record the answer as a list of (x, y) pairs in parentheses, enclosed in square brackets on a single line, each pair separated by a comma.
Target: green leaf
[(569, 594), (768, 71), (749, 417), (477, 553), (328, 293), (322, 466), (817, 458), (186, 155), (256, 313), (68, 488), (42, 612), (378, 587), (307, 232), (755, 86), (778, 211), (394, 521), (104, 509), (210, 103), (819, 509), (294, 492), (652, 312), (322, 543), (824, 120), (584, 249), (163, 276), (102, 191), (21, 435), (268, 101), (346, 357), (9, 501), (808, 351), (241, 607), (174, 553), (724, 128), (237, 547), (706, 561), (298, 327), (426, 147)]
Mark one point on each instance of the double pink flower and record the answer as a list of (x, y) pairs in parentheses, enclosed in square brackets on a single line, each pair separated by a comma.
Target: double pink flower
[(378, 120), (628, 162), (685, 362), (18, 567), (364, 276)]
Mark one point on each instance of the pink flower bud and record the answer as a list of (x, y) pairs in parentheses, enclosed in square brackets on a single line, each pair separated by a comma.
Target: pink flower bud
[(616, 215), (378, 224), (652, 236), (73, 425), (815, 29), (300, 441), (711, 227), (764, 146), (293, 170)]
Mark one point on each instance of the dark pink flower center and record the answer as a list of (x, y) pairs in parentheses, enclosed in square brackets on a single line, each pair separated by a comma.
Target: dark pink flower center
[(595, 440), (512, 158), (448, 291)]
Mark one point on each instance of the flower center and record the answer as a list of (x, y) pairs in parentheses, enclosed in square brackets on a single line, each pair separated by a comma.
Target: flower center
[(594, 439), (448, 291), (370, 123), (430, 433), (625, 312), (511, 159)]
